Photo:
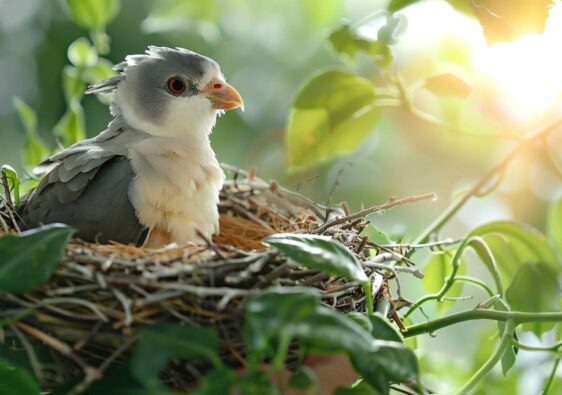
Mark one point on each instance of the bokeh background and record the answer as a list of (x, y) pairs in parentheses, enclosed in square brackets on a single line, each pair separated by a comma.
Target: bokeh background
[(268, 49)]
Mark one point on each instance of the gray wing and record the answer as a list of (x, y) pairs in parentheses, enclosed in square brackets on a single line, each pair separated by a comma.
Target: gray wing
[(91, 196)]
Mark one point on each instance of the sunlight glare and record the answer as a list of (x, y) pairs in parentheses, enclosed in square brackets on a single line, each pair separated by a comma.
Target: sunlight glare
[(527, 72)]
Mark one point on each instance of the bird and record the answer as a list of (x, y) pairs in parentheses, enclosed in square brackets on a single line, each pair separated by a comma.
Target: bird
[(151, 178)]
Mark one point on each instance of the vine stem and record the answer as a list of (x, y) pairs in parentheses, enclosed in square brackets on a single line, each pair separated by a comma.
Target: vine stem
[(368, 297), (518, 317), (550, 378), (486, 256), (477, 282), (555, 348), (492, 361), (495, 171)]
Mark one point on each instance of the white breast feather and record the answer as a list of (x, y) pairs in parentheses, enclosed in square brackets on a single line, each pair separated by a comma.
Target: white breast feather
[(178, 177)]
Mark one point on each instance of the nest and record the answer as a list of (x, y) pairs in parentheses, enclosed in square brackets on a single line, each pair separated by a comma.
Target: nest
[(88, 312)]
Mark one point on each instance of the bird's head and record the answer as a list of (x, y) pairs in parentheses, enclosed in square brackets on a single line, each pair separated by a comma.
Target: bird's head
[(170, 92)]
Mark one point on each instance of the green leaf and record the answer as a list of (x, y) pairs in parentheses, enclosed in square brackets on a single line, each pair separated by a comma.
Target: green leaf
[(296, 312), (510, 354), (376, 235), (514, 244), (347, 43), (302, 379), (29, 259), (81, 54), (377, 325), (34, 149), (274, 309), (360, 389), (320, 253), (216, 382), (331, 116), (321, 12), (16, 381), (535, 288), (396, 5), (394, 26), (329, 331), (447, 84), (361, 319), (27, 116), (72, 84), (101, 41), (13, 180), (392, 362), (71, 127), (102, 70), (487, 257), (180, 15), (436, 270), (158, 343), (554, 225), (501, 21), (255, 382), (344, 42), (92, 14), (383, 330)]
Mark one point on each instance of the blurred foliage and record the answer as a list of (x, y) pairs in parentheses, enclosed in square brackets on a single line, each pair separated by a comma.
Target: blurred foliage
[(324, 121), (500, 20), (30, 258), (410, 119), (16, 381)]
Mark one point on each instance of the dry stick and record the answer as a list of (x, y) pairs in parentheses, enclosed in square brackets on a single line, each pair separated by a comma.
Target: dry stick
[(475, 190), (10, 210), (4, 224), (336, 183), (439, 243), (62, 348), (412, 270), (399, 257), (390, 203), (7, 194)]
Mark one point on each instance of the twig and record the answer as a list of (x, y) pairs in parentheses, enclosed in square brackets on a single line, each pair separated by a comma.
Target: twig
[(439, 243), (390, 203), (60, 347), (202, 291), (412, 270), (7, 194), (337, 180), (476, 188), (61, 300)]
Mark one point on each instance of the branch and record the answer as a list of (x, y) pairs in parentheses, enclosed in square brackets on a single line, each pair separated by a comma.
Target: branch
[(390, 203), (495, 171), (480, 314), (551, 376), (492, 361)]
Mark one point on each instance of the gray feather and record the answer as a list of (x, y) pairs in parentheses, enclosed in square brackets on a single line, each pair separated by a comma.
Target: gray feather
[(100, 210), (105, 86)]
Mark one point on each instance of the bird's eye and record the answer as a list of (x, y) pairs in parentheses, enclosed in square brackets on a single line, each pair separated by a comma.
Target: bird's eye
[(176, 86)]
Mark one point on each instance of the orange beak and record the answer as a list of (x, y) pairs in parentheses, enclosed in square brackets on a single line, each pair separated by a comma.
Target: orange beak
[(223, 96)]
